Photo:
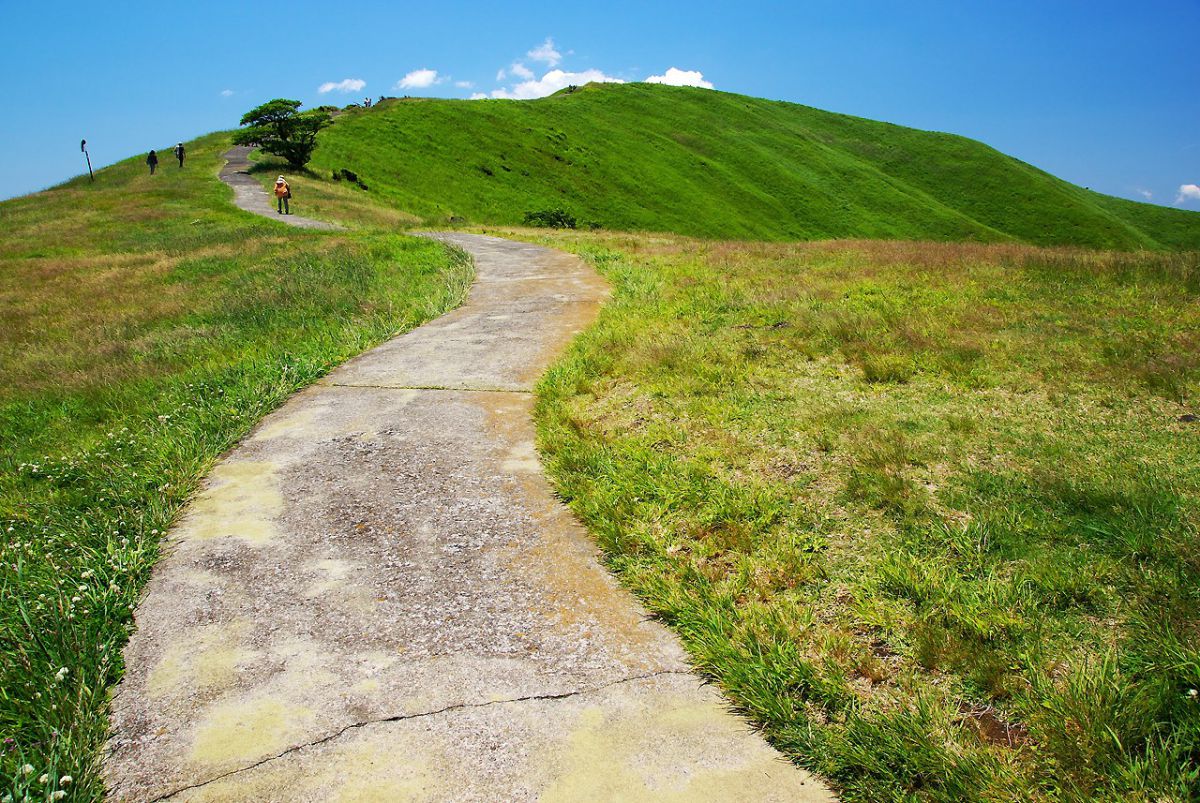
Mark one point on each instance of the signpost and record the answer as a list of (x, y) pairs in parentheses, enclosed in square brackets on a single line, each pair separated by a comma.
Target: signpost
[(83, 147)]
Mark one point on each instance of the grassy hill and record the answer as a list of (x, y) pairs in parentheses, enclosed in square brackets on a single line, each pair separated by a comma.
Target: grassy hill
[(148, 325), (927, 512), (718, 165)]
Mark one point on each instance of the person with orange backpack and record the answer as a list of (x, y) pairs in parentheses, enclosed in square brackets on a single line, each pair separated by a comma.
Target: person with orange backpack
[(282, 193)]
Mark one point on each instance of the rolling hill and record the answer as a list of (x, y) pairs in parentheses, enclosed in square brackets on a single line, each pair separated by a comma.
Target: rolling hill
[(718, 165)]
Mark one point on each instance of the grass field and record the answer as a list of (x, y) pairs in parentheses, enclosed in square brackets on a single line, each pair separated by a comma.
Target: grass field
[(148, 325), (929, 513), (717, 165)]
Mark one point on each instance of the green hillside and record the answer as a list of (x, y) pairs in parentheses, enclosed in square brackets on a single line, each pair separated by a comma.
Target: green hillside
[(148, 325), (713, 164)]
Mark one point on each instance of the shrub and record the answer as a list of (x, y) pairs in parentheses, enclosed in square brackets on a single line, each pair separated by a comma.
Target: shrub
[(557, 218), (348, 175)]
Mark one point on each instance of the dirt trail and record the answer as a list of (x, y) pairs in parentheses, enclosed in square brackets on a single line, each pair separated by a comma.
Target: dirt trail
[(376, 596)]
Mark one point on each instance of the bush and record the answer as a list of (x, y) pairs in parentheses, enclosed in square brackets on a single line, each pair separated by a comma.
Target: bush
[(348, 175), (551, 219)]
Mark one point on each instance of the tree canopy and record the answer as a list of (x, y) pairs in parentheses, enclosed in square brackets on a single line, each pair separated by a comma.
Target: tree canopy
[(279, 127)]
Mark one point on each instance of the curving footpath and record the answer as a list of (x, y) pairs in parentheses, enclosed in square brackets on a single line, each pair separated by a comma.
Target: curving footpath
[(376, 596), (249, 195)]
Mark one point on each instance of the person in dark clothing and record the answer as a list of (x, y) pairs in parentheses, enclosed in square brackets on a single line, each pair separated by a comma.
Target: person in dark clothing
[(179, 153), (152, 160)]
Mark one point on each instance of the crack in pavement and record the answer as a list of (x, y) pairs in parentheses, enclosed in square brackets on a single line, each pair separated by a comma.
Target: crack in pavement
[(401, 717), (451, 388)]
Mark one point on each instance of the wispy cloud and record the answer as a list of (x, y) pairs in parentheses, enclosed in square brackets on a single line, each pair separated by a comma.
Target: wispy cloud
[(545, 53), (419, 79), (1144, 193), (521, 71), (345, 85), (226, 93), (464, 84), (677, 77), (1188, 192), (551, 82)]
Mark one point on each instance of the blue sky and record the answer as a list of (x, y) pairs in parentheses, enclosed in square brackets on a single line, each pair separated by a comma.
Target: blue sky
[(1104, 94)]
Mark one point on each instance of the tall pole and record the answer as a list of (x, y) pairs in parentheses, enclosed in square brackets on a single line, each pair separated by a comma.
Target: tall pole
[(83, 147)]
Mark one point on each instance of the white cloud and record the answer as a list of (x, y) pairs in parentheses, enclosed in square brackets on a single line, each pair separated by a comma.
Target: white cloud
[(1144, 193), (419, 79), (226, 93), (678, 77), (545, 53), (478, 96), (553, 81), (346, 85), (521, 71), (464, 84), (1188, 192), (501, 74)]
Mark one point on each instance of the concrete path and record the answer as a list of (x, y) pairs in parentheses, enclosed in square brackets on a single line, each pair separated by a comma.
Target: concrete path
[(376, 596), (248, 194)]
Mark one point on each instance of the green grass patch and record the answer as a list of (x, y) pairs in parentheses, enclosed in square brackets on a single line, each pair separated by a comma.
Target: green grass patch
[(149, 326), (713, 164), (928, 513)]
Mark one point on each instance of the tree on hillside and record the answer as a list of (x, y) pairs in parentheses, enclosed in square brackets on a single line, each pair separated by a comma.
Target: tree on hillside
[(279, 127)]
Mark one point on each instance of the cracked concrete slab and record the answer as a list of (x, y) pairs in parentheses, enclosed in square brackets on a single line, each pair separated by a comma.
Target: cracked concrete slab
[(600, 745), (376, 596)]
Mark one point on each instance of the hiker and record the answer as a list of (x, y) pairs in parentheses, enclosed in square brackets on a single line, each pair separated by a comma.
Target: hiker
[(179, 153), (152, 160), (282, 193)]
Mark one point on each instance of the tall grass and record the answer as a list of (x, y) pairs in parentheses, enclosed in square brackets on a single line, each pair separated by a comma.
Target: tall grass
[(929, 513)]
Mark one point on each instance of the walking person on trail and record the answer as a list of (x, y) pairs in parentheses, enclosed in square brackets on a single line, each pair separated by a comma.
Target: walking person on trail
[(282, 193), (179, 153), (152, 160)]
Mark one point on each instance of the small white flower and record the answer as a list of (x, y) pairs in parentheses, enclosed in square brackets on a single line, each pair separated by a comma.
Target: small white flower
[(1193, 693), (27, 769), (59, 795), (65, 780), (45, 777), (62, 673)]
